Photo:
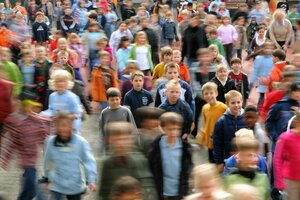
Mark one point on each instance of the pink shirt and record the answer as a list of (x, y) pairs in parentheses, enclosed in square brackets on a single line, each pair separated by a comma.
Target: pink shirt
[(287, 159), (227, 34)]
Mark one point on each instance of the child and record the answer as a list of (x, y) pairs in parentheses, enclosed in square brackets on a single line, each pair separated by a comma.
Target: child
[(175, 104), (66, 168), (207, 182), (40, 30), (170, 159), (169, 30), (285, 165), (257, 12), (224, 83), (67, 22), (172, 73), (101, 19), (103, 77), (23, 133), (226, 126), (210, 114), (80, 13), (111, 21), (127, 187), (217, 57), (62, 45), (245, 173), (63, 60), (154, 19), (183, 70), (141, 52), (129, 11), (228, 35), (137, 96), (184, 23), (77, 46), (213, 39), (251, 31), (122, 54), (240, 78), (166, 56), (124, 161), (58, 13), (27, 69), (241, 41)]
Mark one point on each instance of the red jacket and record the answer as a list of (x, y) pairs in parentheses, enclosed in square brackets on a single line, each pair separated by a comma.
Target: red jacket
[(5, 98), (270, 99)]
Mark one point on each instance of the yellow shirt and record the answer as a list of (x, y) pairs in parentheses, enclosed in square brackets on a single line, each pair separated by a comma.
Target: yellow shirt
[(210, 115), (158, 71)]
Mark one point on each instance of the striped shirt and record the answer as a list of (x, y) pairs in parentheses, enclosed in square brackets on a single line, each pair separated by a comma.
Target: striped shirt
[(21, 136)]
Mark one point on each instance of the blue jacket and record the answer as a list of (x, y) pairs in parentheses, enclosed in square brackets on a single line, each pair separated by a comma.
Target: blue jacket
[(136, 99), (64, 165), (169, 30), (231, 165), (182, 108), (224, 132), (278, 117)]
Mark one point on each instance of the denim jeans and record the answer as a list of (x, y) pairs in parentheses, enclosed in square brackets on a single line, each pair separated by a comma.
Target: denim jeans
[(28, 188), (59, 196)]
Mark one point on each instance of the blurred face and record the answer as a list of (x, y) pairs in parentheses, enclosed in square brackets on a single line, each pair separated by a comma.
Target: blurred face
[(194, 21), (261, 33), (213, 36), (222, 75), (61, 85), (248, 159), (120, 144), (250, 118), (27, 59), (114, 102), (295, 95), (222, 6), (226, 21), (138, 83), (296, 62), (210, 96), (205, 59), (200, 9), (258, 6), (207, 188), (241, 22), (62, 45), (63, 59), (142, 39), (105, 60), (5, 56), (172, 131), (40, 18), (235, 105), (172, 73), (123, 27), (173, 93), (68, 11), (177, 57), (169, 17), (40, 53), (236, 67), (64, 129), (154, 19), (167, 58), (108, 9), (144, 23)]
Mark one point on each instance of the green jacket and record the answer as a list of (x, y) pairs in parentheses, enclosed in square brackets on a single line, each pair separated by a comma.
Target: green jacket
[(219, 44), (14, 75), (133, 164), (132, 55), (260, 182)]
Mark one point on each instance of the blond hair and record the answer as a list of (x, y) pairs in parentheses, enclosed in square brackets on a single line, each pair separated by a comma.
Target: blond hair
[(62, 53), (173, 83), (209, 86), (171, 65), (137, 73), (233, 94), (240, 191), (213, 47), (221, 67), (139, 34), (170, 118), (205, 172), (279, 12), (61, 75)]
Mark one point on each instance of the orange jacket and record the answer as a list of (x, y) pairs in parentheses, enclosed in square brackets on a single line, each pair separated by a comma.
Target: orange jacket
[(102, 79), (5, 38), (276, 74), (184, 73)]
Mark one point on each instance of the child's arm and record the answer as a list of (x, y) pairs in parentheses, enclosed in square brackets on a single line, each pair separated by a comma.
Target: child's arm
[(278, 163), (157, 98), (272, 118), (218, 142), (175, 33), (47, 156)]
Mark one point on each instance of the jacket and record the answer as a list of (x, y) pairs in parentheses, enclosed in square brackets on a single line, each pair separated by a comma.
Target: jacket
[(64, 165), (14, 75), (243, 86), (155, 163), (270, 99), (224, 132), (223, 89), (132, 55), (68, 24), (278, 117), (169, 30), (152, 38), (227, 34), (6, 88), (276, 74), (40, 32)]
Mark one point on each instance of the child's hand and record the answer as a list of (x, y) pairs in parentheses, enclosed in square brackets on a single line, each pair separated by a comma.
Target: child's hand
[(92, 187), (184, 136), (221, 167)]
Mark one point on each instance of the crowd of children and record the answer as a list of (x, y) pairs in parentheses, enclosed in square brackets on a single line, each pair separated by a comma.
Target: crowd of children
[(160, 79)]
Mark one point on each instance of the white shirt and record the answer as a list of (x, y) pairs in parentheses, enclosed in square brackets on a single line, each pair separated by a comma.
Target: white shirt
[(142, 57)]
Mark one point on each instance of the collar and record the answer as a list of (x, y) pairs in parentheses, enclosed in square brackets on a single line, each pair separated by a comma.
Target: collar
[(247, 174), (61, 143)]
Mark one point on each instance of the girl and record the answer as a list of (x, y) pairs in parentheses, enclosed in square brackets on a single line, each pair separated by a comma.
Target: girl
[(141, 52), (80, 16), (258, 42), (240, 43), (286, 163), (228, 35), (217, 57), (207, 183), (223, 11), (111, 21), (63, 99), (122, 54)]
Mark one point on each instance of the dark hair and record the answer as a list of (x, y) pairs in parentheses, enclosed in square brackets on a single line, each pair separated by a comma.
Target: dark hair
[(170, 118), (118, 128), (298, 22), (147, 112), (280, 54), (113, 92), (235, 60), (262, 26), (62, 115), (251, 108), (93, 16), (123, 39), (125, 184)]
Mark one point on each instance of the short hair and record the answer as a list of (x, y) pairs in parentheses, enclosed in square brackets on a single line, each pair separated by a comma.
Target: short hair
[(113, 92), (203, 51), (289, 71), (240, 191), (280, 54), (213, 31), (61, 75), (209, 86), (251, 108), (125, 184), (166, 51), (247, 143), (93, 16), (137, 73), (232, 94), (261, 26), (173, 82), (171, 65), (148, 112), (204, 172), (170, 118), (169, 13), (118, 128), (221, 67), (62, 53), (235, 60), (244, 133), (103, 54), (64, 115)]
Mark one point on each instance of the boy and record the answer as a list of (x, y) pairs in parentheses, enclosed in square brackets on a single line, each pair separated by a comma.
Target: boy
[(126, 188), (40, 30), (213, 39), (175, 104), (224, 83), (258, 13), (210, 114), (129, 11), (169, 30), (67, 22), (103, 77), (137, 96), (241, 41), (66, 168), (124, 161), (226, 126), (63, 57), (171, 73), (183, 70), (240, 78), (166, 56), (170, 159)]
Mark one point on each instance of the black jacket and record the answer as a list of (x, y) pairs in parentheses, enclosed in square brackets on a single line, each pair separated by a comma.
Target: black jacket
[(40, 32), (155, 163), (222, 90)]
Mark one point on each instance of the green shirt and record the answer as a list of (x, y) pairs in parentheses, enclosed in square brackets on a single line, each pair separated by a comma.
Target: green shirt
[(14, 75)]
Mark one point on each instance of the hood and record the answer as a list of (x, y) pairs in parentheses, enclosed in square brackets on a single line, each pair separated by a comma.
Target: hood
[(228, 113)]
